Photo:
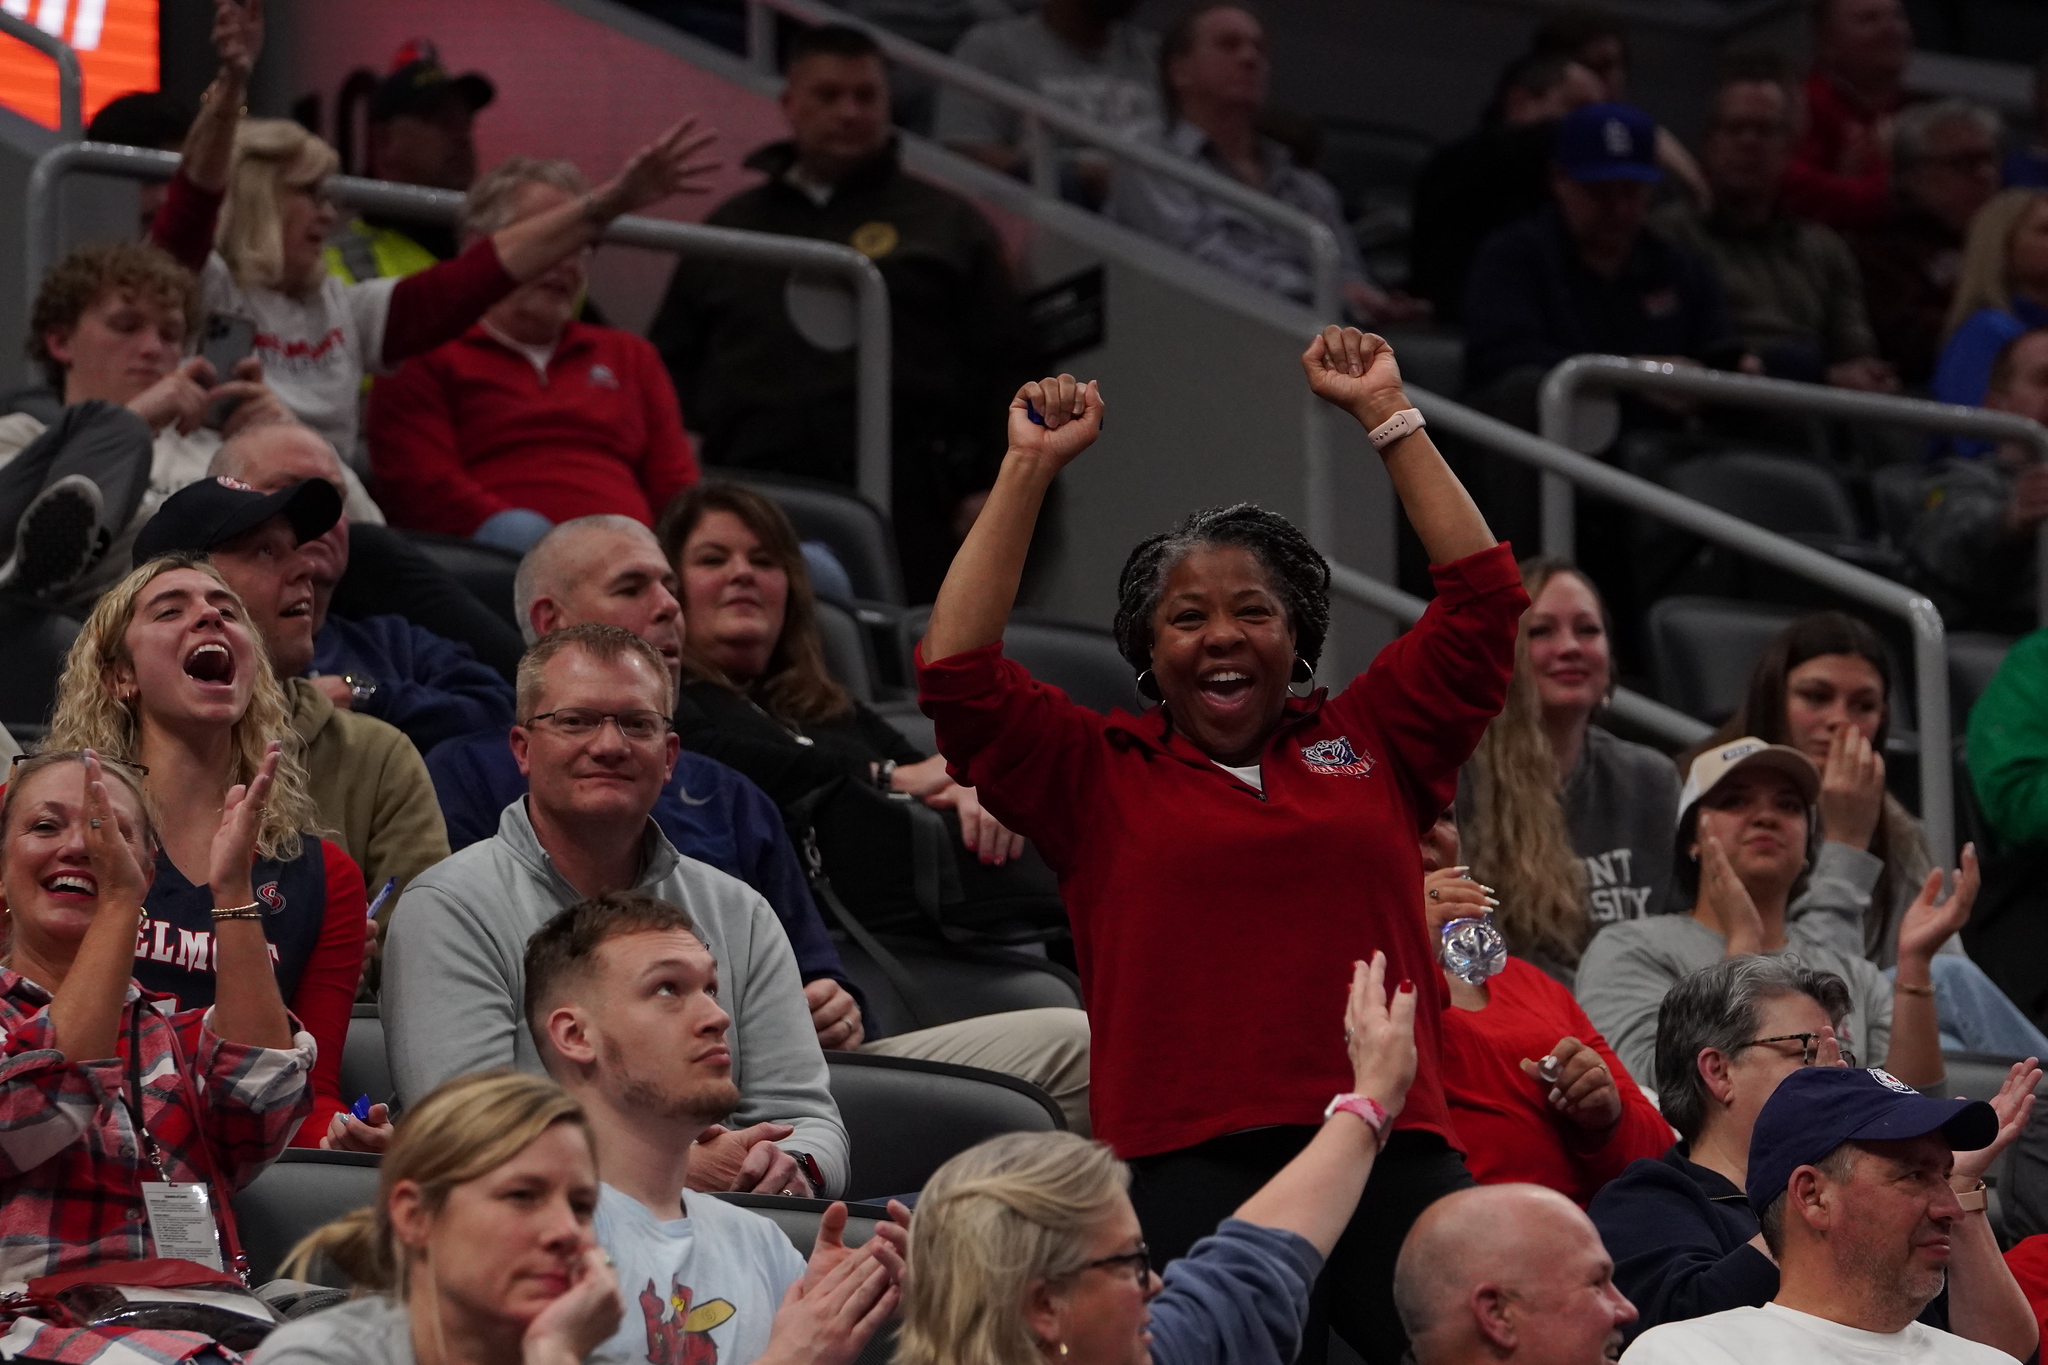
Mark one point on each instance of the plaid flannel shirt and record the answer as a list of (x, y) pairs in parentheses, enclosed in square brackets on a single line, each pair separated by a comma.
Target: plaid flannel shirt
[(71, 1169)]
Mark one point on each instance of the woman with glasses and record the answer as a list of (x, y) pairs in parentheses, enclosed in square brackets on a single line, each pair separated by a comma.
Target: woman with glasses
[(108, 1088), (1685, 1241), (262, 184), (1026, 1249), (1747, 832), (168, 676)]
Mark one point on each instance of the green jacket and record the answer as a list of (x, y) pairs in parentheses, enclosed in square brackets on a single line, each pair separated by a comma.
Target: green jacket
[(2007, 746)]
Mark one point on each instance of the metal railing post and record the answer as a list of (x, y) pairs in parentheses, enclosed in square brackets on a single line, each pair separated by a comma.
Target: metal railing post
[(1038, 150), (70, 80), (872, 362), (761, 38), (1560, 515)]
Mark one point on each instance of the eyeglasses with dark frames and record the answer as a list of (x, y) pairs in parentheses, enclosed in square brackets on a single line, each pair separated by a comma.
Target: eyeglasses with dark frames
[(1809, 1047), (75, 754), (580, 722), (1140, 1262)]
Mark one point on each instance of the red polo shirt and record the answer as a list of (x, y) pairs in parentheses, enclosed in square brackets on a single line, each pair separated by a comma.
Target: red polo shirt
[(471, 429), (1841, 170), (1215, 925)]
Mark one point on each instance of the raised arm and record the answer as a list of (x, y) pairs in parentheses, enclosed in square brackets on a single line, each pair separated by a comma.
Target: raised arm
[(672, 164), (1914, 1052), (246, 1005), (980, 588), (86, 1011), (210, 145), (1315, 1194), (1355, 371)]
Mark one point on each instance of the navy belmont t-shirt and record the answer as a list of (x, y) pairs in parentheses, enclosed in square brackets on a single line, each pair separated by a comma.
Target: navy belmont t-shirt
[(174, 947)]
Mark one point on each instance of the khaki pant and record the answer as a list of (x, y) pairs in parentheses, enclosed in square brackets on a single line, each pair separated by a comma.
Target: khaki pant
[(1047, 1047)]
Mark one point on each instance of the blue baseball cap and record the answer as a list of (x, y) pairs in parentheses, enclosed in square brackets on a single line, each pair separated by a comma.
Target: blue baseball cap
[(1818, 1108), (1607, 142)]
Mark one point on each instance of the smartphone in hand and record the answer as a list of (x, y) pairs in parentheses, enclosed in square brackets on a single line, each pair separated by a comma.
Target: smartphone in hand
[(226, 343)]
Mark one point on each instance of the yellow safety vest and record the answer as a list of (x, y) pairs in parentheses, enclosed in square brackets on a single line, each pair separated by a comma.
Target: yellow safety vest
[(361, 252)]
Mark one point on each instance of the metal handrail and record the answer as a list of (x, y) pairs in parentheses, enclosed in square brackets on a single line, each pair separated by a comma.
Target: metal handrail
[(70, 79), (1564, 384), (1040, 114), (871, 294), (1563, 466), (1645, 713)]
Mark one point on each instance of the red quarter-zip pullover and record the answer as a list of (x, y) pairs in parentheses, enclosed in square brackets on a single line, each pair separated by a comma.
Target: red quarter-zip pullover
[(1216, 926)]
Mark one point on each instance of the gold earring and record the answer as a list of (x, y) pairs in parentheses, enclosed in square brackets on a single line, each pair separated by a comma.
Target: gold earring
[(1063, 1350)]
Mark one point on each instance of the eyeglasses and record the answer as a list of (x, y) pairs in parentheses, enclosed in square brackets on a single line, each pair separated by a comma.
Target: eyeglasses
[(1809, 1047), (580, 722), (76, 755), (1140, 1262)]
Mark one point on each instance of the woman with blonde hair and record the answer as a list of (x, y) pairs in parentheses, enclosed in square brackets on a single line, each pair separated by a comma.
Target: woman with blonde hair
[(168, 675), (2002, 293), (103, 1080), (1027, 1249), (1568, 824), (262, 182), (480, 1241)]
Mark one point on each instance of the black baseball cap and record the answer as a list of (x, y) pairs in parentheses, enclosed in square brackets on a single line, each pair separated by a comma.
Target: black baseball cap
[(203, 515), (1818, 1108), (418, 80)]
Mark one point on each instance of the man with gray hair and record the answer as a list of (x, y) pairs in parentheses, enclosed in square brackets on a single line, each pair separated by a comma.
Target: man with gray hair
[(531, 417), (1508, 1275), (1685, 1239), (1944, 167)]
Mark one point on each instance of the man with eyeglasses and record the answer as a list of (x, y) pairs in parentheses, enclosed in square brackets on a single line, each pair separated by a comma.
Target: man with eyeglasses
[(1871, 1200), (1685, 1240), (595, 745), (1792, 285)]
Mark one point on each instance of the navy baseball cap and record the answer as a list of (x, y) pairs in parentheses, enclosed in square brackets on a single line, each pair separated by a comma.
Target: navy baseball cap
[(1607, 142), (213, 511), (1818, 1108)]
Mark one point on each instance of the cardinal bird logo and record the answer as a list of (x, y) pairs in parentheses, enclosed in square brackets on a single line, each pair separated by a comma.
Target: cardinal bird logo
[(678, 1334)]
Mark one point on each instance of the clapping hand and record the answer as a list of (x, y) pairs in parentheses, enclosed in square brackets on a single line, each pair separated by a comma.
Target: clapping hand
[(1930, 921), (1728, 899), (241, 827), (117, 876), (1056, 418), (1380, 1035), (674, 163), (2015, 1105)]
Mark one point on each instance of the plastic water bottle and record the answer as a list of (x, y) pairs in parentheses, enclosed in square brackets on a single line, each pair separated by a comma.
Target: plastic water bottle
[(1473, 949)]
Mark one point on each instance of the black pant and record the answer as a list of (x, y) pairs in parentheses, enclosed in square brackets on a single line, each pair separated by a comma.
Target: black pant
[(1181, 1197)]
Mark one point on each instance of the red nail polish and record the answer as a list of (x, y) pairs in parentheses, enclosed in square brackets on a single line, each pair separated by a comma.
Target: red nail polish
[(1407, 985)]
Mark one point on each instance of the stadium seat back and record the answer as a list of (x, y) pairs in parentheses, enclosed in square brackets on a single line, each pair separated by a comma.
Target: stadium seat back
[(1081, 661), (856, 531), (958, 983), (848, 655), (1898, 492), (1777, 492), (905, 1117), (485, 570), (365, 1067), (1973, 660), (1703, 648), (302, 1190), (37, 641)]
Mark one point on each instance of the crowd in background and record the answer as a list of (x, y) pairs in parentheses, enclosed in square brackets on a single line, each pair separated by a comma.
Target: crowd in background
[(1683, 1022)]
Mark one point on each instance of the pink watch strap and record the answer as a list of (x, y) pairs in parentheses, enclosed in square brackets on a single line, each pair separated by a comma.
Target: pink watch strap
[(1365, 1107)]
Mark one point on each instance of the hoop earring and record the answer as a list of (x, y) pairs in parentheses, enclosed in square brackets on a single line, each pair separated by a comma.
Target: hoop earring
[(1302, 675), (1148, 686)]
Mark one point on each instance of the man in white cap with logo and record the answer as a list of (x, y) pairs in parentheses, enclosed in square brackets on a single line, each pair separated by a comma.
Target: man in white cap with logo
[(1747, 830), (1850, 1176)]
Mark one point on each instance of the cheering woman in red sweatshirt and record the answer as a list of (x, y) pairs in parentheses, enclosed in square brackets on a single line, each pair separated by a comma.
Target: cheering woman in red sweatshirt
[(1221, 851)]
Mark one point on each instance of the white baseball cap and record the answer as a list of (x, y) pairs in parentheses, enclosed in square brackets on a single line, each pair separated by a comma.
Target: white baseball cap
[(1718, 764)]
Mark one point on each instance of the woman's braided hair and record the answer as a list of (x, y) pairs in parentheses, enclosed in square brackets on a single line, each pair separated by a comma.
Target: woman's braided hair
[(1300, 575)]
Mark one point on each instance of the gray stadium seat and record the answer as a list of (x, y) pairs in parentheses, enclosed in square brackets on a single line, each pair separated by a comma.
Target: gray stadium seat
[(958, 983), (485, 570), (854, 528), (1081, 661), (365, 1068), (1897, 491), (905, 1117), (37, 641), (1973, 660), (849, 658), (1777, 492), (1702, 650), (302, 1190)]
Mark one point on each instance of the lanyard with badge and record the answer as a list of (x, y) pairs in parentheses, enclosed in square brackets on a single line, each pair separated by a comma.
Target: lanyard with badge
[(181, 1215)]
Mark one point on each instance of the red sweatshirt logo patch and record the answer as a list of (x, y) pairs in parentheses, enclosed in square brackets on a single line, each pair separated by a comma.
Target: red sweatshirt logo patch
[(1336, 758)]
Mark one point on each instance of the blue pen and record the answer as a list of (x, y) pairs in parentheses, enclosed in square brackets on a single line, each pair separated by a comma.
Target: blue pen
[(361, 1108), (1031, 411), (382, 896)]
